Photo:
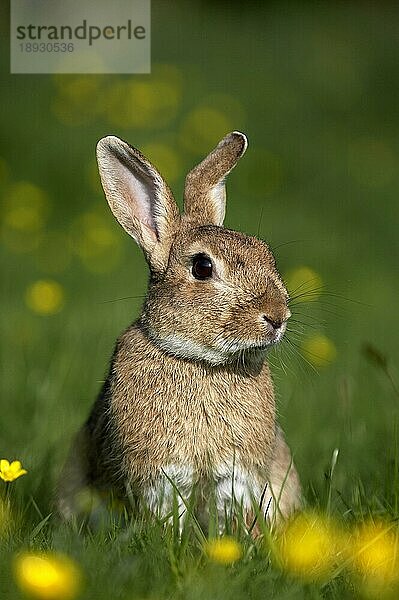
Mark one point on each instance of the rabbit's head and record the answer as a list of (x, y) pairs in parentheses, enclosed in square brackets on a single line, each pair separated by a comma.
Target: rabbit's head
[(213, 293)]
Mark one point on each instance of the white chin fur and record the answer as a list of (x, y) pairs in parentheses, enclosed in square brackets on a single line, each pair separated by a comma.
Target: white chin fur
[(234, 346), (185, 348)]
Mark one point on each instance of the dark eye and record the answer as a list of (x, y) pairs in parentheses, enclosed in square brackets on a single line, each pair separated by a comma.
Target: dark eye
[(202, 266)]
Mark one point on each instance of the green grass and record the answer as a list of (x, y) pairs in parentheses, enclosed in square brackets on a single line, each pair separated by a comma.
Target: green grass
[(316, 89)]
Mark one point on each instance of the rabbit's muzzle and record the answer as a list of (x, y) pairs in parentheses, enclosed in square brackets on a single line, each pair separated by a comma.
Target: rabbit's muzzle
[(274, 328), (272, 312), (253, 326)]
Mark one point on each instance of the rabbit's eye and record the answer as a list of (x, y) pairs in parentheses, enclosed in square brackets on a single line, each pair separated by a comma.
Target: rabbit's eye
[(202, 267)]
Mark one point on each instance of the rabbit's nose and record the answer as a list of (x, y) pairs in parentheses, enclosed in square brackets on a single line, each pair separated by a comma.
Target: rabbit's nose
[(275, 323)]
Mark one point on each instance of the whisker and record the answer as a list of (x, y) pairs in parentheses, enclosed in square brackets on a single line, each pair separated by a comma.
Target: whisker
[(273, 248), (296, 334), (120, 299), (305, 314), (295, 354), (314, 325), (310, 354), (326, 306), (260, 220), (297, 349), (280, 351), (307, 282), (323, 291)]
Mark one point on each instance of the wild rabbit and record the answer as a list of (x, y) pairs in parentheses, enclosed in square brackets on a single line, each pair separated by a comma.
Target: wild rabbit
[(189, 399)]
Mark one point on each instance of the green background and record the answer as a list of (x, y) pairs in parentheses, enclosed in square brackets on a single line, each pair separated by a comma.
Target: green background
[(315, 87)]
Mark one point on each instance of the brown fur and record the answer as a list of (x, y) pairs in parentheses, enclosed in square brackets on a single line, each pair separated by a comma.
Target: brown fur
[(188, 385)]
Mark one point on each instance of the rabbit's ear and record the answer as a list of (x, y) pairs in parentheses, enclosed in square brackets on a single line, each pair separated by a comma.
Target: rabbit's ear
[(138, 197), (205, 193)]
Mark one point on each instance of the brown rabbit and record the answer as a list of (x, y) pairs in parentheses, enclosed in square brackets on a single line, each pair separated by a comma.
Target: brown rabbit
[(189, 397)]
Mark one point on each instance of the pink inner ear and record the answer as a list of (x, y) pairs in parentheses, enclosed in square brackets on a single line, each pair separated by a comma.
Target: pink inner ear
[(139, 194)]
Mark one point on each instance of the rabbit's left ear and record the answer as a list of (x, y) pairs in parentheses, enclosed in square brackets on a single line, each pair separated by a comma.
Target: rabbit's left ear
[(139, 198), (205, 192)]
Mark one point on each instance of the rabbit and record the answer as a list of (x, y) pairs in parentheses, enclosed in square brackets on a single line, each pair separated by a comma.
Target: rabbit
[(189, 402)]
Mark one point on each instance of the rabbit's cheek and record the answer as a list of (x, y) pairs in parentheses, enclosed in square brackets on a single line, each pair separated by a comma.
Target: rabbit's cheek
[(244, 327)]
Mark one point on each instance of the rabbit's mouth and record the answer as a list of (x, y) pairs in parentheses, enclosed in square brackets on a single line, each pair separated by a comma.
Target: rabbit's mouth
[(277, 335), (234, 346), (273, 336), (266, 345)]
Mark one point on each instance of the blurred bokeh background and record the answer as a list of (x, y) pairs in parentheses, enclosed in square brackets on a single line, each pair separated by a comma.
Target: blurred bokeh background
[(316, 88)]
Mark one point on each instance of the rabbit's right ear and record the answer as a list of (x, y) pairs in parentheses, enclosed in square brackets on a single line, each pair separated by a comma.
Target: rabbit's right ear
[(138, 197), (205, 193)]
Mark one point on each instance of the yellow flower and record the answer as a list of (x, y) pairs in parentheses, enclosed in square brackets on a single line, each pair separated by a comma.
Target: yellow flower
[(47, 576), (375, 552), (225, 550), (45, 297), (319, 350), (308, 546), (11, 471)]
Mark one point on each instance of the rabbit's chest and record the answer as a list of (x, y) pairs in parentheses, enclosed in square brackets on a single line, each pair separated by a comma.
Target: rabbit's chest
[(198, 427)]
